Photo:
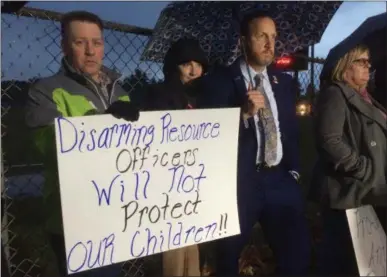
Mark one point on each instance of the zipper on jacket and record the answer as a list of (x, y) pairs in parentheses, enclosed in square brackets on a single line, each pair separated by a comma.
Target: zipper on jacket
[(98, 93), (112, 91), (105, 103)]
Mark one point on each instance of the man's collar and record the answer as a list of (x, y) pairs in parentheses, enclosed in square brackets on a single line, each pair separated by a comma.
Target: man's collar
[(245, 70)]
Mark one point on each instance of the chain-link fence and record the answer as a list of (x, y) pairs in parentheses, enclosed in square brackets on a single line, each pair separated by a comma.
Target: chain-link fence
[(30, 50)]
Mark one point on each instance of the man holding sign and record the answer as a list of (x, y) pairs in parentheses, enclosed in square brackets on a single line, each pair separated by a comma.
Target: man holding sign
[(82, 87)]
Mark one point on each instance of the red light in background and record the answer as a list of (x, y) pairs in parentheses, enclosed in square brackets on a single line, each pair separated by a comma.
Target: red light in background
[(284, 61)]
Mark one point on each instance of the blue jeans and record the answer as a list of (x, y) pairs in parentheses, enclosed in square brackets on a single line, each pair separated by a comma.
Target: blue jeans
[(57, 243)]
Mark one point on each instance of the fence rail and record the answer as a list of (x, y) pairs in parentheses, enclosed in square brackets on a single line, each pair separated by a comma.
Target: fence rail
[(108, 25), (30, 50)]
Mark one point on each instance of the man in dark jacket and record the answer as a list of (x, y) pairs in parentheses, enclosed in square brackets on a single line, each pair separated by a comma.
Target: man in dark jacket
[(268, 151), (82, 87), (184, 64)]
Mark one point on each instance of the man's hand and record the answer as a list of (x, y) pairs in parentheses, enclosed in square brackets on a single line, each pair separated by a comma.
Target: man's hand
[(125, 110), (255, 102)]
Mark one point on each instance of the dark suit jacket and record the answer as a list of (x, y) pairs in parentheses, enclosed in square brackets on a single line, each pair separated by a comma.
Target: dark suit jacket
[(225, 87), (351, 141)]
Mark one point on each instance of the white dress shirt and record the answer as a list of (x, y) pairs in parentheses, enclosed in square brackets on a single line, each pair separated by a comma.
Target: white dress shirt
[(270, 99)]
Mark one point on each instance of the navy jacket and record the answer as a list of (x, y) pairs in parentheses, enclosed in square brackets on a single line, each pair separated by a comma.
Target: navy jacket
[(225, 87)]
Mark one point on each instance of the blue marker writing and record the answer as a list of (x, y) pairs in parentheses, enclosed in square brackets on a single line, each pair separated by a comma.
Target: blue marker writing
[(87, 256), (83, 138), (187, 132), (103, 193)]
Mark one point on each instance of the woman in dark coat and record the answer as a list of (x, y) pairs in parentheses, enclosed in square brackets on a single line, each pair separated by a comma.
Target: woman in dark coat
[(184, 64), (351, 138)]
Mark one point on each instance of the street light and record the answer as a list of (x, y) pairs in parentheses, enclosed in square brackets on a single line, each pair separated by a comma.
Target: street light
[(303, 108)]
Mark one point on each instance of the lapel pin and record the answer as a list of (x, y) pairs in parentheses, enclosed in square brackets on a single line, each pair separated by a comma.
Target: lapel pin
[(275, 80)]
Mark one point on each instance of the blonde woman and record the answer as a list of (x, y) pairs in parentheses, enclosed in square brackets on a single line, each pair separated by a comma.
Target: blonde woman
[(351, 137)]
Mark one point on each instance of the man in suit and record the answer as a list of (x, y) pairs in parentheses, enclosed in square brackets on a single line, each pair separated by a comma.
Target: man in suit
[(268, 151)]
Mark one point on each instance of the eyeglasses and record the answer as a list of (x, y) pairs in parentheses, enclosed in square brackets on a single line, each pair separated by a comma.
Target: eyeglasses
[(363, 62)]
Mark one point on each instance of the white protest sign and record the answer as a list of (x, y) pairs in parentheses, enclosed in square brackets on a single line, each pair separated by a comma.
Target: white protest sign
[(369, 241), (132, 189)]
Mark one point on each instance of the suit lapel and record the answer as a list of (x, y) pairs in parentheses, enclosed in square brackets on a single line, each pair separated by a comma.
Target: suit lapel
[(239, 82), (365, 108), (273, 79), (276, 88)]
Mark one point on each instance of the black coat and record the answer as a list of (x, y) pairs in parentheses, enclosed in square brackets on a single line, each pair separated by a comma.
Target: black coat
[(351, 137), (169, 95)]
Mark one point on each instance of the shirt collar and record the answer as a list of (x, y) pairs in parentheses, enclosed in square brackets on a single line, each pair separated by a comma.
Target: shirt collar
[(245, 73), (104, 79)]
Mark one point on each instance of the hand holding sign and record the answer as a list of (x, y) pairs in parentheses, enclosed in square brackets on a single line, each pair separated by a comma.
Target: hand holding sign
[(125, 110)]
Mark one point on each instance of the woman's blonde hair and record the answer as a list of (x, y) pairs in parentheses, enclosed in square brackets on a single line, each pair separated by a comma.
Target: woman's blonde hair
[(345, 61)]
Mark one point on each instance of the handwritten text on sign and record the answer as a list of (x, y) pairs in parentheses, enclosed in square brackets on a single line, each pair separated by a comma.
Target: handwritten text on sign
[(369, 241), (132, 189)]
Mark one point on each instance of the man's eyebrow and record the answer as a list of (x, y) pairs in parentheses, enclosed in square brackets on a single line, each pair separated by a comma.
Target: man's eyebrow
[(95, 38), (265, 33)]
